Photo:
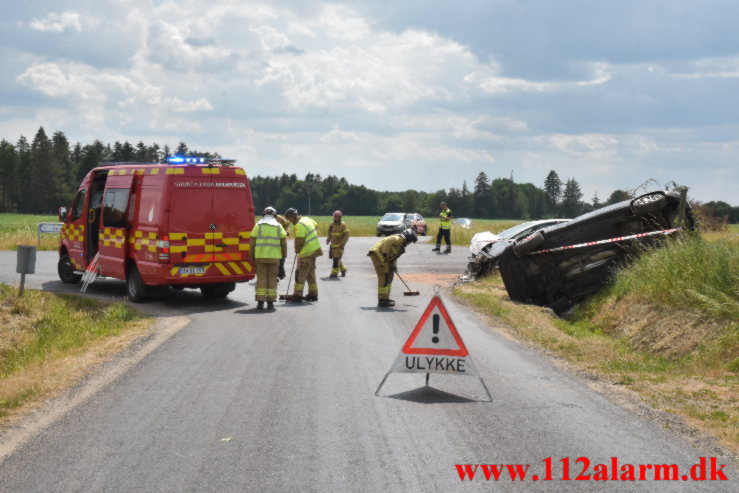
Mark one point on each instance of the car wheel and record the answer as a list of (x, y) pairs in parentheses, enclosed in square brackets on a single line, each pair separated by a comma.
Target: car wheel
[(65, 269), (220, 290), (648, 204), (561, 305), (527, 245), (135, 287)]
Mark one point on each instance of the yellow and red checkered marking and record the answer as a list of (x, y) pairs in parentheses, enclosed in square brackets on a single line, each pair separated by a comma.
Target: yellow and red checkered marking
[(115, 237), (73, 232), (143, 240), (203, 247), (176, 170)]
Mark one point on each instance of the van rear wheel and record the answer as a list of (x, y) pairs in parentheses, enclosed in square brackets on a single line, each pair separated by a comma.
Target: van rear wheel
[(135, 287), (220, 290), (65, 269)]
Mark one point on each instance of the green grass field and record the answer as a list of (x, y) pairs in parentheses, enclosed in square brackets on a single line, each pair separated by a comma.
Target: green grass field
[(20, 229)]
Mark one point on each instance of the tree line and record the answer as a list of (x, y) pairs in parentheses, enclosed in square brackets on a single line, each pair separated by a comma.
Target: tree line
[(39, 176)]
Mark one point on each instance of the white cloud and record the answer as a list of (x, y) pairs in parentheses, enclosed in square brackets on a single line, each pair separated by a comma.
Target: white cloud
[(167, 46), (335, 21), (584, 143), (81, 83), (415, 149), (390, 70), (338, 136), (57, 23), (271, 38), (489, 81), (180, 106), (711, 68)]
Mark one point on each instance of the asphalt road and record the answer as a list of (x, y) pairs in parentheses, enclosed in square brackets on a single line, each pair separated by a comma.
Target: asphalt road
[(241, 400)]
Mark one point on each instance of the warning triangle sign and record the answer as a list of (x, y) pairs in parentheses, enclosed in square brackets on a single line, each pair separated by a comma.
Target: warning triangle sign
[(435, 333), (434, 346)]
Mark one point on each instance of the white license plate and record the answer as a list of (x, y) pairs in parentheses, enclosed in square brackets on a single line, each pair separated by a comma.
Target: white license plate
[(192, 270)]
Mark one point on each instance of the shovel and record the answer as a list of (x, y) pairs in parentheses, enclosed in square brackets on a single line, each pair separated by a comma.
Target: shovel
[(286, 296), (408, 292)]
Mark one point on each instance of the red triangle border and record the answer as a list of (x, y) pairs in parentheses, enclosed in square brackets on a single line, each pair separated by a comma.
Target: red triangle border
[(407, 347)]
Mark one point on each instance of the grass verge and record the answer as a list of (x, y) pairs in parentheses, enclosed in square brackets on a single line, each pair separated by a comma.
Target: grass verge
[(666, 328), (48, 342)]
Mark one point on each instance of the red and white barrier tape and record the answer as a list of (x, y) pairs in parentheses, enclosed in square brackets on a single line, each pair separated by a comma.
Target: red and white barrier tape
[(91, 273), (610, 240)]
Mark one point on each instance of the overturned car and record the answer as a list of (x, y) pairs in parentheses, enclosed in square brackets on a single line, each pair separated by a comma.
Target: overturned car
[(561, 265), (486, 247)]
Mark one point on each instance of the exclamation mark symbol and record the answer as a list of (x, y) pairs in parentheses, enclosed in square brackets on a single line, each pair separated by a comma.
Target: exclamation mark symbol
[(435, 339)]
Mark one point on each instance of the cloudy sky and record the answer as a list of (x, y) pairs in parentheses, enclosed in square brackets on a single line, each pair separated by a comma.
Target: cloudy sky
[(393, 94)]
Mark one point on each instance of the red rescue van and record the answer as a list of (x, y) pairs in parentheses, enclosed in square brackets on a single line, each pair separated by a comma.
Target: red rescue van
[(182, 224)]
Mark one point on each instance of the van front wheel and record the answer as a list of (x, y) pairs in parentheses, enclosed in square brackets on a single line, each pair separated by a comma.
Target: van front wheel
[(135, 288), (66, 270)]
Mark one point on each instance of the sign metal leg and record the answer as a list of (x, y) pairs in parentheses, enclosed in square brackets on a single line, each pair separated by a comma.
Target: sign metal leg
[(382, 383), (490, 397)]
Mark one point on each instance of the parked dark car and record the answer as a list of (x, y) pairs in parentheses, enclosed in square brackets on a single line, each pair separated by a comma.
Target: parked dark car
[(561, 265)]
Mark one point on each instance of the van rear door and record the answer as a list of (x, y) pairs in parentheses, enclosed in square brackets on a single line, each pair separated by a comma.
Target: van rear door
[(210, 219), (190, 218), (233, 215)]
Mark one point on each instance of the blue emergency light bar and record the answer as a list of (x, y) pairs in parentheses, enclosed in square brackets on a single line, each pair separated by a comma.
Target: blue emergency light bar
[(185, 160)]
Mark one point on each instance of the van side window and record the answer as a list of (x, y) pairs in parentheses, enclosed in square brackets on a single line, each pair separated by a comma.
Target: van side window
[(79, 205), (114, 208)]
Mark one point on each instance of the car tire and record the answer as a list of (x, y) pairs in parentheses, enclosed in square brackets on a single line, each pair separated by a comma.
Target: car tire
[(524, 246), (220, 290), (648, 203), (65, 269), (561, 305), (135, 287)]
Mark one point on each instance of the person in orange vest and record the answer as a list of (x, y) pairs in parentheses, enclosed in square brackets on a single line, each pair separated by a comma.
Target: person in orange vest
[(384, 255), (269, 247), (445, 228), (338, 235), (307, 248)]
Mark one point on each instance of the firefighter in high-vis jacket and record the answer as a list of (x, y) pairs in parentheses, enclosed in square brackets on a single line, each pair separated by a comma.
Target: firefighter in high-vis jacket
[(445, 228), (307, 248), (384, 255), (338, 235), (269, 247)]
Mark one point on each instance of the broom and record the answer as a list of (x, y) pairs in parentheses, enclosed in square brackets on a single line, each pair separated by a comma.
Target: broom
[(408, 292), (287, 296)]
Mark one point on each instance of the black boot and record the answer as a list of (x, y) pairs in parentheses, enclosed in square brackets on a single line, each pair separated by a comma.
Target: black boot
[(311, 297), (437, 248), (385, 303), (270, 305), (448, 250), (260, 305)]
